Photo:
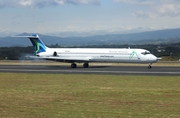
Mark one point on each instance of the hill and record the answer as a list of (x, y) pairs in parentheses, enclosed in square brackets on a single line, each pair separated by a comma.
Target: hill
[(150, 37)]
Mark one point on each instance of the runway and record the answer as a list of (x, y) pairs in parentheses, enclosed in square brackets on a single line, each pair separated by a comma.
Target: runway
[(113, 70)]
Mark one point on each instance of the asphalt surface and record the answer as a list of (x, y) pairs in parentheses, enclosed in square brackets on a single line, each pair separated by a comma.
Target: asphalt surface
[(112, 70)]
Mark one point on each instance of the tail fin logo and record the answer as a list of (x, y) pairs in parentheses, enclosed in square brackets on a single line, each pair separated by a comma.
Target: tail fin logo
[(38, 44)]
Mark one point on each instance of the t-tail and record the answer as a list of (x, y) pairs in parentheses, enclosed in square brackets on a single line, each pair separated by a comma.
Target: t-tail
[(37, 43)]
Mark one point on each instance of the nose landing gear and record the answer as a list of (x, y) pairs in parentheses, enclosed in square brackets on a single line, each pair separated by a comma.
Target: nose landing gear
[(149, 66)]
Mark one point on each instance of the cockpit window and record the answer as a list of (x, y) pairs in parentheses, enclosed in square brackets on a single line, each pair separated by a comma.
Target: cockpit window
[(145, 53)]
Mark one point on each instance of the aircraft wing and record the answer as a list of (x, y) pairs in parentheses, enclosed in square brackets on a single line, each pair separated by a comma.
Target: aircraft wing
[(68, 59)]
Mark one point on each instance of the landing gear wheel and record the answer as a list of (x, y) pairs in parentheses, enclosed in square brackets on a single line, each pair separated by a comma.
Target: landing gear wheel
[(73, 65), (85, 65), (149, 67)]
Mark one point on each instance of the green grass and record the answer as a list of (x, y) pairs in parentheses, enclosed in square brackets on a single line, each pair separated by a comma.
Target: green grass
[(88, 96)]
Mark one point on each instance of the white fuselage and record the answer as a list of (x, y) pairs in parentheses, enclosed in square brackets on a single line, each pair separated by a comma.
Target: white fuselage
[(101, 55)]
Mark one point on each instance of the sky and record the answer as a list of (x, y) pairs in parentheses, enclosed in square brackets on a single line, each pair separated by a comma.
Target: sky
[(87, 17)]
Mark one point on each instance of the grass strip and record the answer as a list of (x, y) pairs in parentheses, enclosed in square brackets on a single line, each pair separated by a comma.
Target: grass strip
[(82, 96)]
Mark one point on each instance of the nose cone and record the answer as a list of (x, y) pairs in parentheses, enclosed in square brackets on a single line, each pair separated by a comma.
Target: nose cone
[(153, 59)]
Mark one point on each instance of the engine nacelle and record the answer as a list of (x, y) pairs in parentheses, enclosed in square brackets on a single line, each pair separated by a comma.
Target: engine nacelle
[(55, 53)]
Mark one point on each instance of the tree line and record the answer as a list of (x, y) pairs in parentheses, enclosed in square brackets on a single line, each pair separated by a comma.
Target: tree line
[(172, 51)]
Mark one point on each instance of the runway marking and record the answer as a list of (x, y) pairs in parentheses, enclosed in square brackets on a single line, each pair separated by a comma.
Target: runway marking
[(90, 71)]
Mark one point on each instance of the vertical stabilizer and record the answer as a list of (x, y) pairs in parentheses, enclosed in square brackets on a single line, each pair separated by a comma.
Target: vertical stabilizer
[(37, 43)]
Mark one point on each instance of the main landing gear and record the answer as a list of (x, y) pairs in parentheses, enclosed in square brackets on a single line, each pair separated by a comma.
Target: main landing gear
[(73, 65), (85, 65)]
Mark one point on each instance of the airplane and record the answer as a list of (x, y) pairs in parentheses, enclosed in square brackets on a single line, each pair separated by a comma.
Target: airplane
[(87, 55)]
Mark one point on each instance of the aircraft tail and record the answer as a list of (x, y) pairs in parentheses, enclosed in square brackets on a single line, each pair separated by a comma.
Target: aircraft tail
[(37, 43)]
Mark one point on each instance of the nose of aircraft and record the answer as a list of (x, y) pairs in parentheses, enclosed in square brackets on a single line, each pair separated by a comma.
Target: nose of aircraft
[(153, 58)]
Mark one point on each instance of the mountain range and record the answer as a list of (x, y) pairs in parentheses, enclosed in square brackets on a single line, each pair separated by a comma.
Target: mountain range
[(149, 37)]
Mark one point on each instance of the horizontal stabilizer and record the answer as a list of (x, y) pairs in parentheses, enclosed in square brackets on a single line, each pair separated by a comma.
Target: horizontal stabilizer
[(30, 36)]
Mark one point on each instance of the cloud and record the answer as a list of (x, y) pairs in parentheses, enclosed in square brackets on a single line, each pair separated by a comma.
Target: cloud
[(44, 3), (141, 14), (94, 2), (172, 10), (140, 2), (159, 8)]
